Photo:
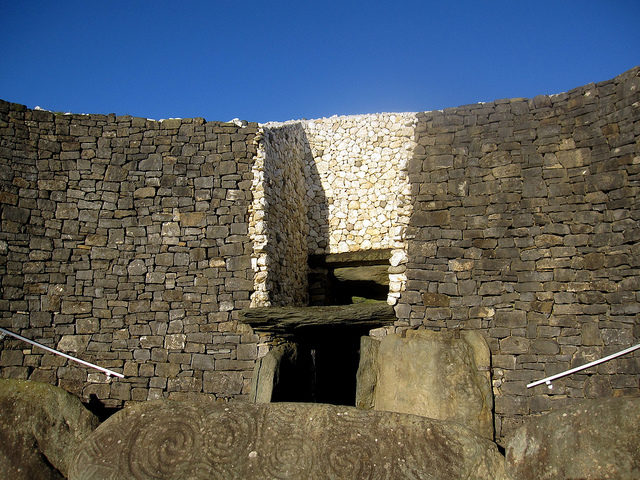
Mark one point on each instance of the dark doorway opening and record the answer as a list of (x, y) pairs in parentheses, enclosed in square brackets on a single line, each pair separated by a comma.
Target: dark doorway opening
[(348, 278), (323, 368)]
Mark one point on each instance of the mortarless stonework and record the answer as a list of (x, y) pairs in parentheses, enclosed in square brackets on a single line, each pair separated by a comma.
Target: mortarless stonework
[(355, 196), (526, 227), (279, 225), (125, 242), (134, 244)]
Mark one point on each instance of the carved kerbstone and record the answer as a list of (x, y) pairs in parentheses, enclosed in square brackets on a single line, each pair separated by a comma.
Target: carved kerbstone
[(204, 439)]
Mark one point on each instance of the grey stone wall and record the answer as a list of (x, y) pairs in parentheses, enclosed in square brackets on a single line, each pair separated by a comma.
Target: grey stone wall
[(124, 241), (526, 227), (134, 243)]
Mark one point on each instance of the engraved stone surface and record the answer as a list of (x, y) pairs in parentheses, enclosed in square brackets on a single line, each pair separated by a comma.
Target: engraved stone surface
[(204, 439)]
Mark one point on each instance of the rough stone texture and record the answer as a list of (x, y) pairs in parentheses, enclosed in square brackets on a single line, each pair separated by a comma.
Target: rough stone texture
[(516, 218), (279, 223), (200, 439), (361, 163), (593, 439), (432, 374), (125, 242), (331, 185), (525, 226), (288, 321), (265, 373), (40, 427), (367, 374)]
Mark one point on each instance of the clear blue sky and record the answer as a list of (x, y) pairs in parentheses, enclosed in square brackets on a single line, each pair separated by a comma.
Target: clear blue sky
[(279, 60)]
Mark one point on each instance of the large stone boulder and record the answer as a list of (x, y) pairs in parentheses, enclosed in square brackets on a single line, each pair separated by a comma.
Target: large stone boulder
[(442, 375), (594, 439), (204, 439), (40, 426)]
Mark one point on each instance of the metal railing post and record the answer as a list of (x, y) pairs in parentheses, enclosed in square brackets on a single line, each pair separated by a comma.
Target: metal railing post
[(551, 378), (109, 373)]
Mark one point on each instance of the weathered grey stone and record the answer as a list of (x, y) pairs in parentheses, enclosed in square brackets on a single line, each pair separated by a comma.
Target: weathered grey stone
[(435, 375), (175, 341), (366, 376), (104, 253), (435, 299), (153, 163), (170, 229), (265, 372), (371, 273), (533, 202), (193, 219), (426, 219), (73, 343), (204, 439), (72, 307), (593, 439), (144, 192), (40, 427), (137, 267), (223, 383), (288, 320), (115, 173)]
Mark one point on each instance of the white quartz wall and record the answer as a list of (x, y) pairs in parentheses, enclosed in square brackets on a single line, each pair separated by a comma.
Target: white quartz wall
[(278, 225), (361, 163), (330, 185)]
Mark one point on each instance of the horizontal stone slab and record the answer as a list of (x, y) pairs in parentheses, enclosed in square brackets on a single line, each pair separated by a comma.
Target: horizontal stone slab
[(289, 320)]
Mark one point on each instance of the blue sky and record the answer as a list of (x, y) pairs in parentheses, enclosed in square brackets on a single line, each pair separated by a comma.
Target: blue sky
[(279, 60)]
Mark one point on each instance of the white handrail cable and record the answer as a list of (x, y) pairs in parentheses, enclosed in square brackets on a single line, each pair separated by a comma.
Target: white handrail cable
[(548, 380), (109, 373)]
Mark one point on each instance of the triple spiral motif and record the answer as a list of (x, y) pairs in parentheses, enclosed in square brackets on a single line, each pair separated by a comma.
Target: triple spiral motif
[(208, 440)]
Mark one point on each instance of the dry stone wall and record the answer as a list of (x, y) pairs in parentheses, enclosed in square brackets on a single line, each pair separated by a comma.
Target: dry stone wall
[(134, 243), (279, 225), (526, 227), (125, 242), (355, 196), (361, 164)]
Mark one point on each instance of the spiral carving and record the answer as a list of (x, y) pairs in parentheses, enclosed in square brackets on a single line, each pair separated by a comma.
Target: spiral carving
[(350, 461), (206, 440), (355, 456), (164, 452), (228, 437), (288, 458), (94, 461), (164, 445)]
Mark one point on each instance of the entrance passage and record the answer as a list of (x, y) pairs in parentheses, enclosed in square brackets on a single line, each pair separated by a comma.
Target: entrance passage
[(319, 351), (323, 369), (345, 278)]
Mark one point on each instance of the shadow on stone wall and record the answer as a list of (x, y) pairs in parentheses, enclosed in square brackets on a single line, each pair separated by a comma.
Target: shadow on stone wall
[(525, 227), (293, 196)]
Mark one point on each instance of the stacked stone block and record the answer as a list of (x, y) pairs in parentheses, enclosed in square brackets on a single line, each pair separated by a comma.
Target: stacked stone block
[(133, 243), (125, 242), (355, 196), (526, 226), (279, 222)]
